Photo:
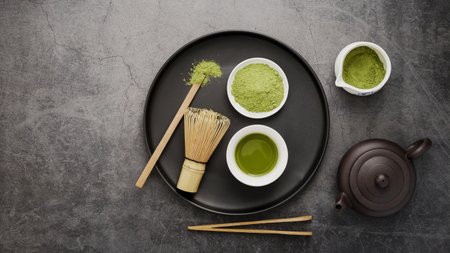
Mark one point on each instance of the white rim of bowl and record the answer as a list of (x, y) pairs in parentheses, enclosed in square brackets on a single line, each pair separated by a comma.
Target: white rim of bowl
[(268, 178), (242, 110)]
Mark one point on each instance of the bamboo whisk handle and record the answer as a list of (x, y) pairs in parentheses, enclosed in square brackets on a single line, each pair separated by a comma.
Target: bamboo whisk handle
[(162, 144)]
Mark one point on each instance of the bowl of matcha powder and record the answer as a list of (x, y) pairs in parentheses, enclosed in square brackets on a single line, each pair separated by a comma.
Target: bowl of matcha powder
[(257, 88)]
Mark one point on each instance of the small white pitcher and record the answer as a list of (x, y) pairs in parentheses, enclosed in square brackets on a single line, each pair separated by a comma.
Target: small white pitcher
[(338, 68)]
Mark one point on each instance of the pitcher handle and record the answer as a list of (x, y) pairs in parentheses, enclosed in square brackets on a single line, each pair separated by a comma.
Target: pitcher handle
[(417, 148)]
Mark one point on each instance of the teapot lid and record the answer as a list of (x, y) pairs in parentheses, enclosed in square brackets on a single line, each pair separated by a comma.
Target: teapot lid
[(377, 177)]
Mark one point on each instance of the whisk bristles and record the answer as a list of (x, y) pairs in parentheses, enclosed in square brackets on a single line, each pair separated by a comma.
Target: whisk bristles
[(203, 130)]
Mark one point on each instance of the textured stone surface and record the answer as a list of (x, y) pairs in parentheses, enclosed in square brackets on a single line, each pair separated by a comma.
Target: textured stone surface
[(74, 76)]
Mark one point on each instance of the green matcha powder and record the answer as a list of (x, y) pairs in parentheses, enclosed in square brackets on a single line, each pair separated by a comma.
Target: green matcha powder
[(202, 72), (258, 88), (362, 68)]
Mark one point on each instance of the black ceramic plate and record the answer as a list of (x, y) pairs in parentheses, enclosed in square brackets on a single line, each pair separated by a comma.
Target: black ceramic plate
[(303, 121)]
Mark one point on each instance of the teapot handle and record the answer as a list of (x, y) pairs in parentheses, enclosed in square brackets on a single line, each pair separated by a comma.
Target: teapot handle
[(417, 148)]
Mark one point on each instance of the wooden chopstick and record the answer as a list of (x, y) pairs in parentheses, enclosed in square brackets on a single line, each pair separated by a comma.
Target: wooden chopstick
[(234, 224), (254, 231), (220, 227)]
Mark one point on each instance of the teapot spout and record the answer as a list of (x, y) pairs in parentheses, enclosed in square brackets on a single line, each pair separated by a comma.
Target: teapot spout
[(342, 202)]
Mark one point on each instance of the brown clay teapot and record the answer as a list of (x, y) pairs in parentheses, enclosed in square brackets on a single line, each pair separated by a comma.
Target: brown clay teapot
[(377, 178)]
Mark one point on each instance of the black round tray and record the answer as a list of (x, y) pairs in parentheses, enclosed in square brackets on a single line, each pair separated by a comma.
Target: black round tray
[(303, 121)]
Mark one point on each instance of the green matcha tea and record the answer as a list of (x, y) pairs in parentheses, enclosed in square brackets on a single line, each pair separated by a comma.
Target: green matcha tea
[(256, 154)]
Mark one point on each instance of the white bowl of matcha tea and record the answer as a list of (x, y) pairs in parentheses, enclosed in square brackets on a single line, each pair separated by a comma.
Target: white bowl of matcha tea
[(257, 88), (257, 155)]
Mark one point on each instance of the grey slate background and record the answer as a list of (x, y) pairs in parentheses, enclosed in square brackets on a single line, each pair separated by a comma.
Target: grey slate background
[(74, 76)]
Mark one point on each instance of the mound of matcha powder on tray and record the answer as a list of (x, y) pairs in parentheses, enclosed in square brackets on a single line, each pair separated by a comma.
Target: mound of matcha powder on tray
[(204, 70), (258, 88)]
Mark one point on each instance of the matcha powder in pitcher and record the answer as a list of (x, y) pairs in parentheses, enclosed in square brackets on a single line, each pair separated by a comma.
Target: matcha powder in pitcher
[(363, 68), (258, 88)]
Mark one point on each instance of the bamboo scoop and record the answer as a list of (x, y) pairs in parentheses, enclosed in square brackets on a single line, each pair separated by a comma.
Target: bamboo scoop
[(162, 144)]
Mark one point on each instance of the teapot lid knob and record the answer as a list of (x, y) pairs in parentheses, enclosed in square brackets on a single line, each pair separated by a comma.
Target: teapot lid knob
[(382, 180)]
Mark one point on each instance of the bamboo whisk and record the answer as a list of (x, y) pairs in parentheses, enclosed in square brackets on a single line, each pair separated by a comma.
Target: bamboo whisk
[(203, 130)]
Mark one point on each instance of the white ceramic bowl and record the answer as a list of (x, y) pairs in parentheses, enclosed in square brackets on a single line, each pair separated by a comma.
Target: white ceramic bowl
[(338, 65), (242, 110), (268, 178)]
